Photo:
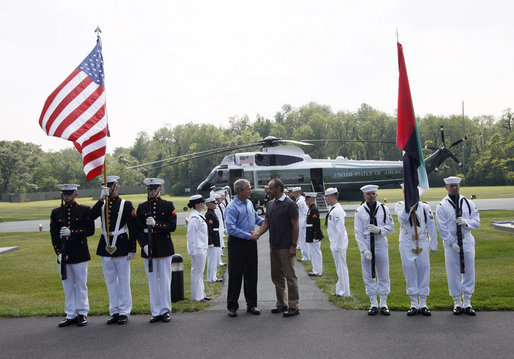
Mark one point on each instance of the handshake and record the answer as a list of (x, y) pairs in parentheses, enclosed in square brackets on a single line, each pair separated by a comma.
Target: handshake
[(254, 236)]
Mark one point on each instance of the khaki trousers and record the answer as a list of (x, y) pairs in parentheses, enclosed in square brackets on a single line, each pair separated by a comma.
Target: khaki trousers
[(282, 272)]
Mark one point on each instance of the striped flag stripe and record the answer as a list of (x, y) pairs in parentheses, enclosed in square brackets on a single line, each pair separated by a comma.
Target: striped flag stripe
[(75, 111)]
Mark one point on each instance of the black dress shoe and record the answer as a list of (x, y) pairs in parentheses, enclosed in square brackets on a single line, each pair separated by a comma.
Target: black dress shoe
[(206, 299), (155, 319), (253, 310), (279, 309), (81, 320), (412, 311), (385, 311), (373, 311), (312, 274), (166, 317), (123, 320), (67, 322), (113, 319), (291, 312), (232, 313), (470, 311), (425, 311), (457, 310), (219, 280)]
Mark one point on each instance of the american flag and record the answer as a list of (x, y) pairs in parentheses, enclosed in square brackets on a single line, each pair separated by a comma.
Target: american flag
[(75, 111)]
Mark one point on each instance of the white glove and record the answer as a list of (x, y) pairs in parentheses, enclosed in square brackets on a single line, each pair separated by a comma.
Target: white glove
[(455, 247), (367, 254), (373, 229), (131, 255), (145, 249), (59, 257), (150, 222), (461, 221), (65, 232), (104, 192)]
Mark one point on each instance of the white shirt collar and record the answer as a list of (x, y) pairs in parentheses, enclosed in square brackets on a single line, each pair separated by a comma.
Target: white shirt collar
[(282, 198)]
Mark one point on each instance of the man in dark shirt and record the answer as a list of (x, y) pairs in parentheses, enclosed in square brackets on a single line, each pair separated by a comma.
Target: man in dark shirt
[(282, 221)]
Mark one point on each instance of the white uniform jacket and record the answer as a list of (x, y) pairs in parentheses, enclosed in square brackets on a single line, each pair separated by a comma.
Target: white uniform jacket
[(446, 217), (426, 224), (220, 216), (383, 220), (302, 211), (336, 229), (197, 233)]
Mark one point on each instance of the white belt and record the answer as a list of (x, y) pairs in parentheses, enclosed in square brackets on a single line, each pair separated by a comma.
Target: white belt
[(116, 233), (309, 225), (216, 229)]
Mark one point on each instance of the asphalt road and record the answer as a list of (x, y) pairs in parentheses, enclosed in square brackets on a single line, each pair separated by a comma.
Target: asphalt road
[(320, 331)]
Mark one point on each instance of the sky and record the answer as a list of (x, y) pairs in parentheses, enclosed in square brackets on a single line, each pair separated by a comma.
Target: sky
[(172, 62)]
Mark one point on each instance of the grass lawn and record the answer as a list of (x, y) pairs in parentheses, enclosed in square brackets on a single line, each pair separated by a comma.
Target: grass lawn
[(26, 211), (494, 268), (30, 283)]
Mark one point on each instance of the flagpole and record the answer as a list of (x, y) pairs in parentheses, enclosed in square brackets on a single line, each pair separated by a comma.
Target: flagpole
[(107, 226)]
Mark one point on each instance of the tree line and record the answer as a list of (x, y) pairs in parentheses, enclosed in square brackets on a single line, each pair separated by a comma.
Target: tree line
[(488, 153)]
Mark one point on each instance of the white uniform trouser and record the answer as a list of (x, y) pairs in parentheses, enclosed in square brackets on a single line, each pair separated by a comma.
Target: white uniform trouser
[(220, 251), (343, 281), (316, 257), (212, 263), (383, 286), (117, 280), (304, 248), (75, 290), (159, 283), (416, 268), (197, 269), (459, 284)]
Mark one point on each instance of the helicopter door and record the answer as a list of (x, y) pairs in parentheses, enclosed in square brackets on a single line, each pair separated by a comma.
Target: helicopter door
[(317, 180), (235, 175)]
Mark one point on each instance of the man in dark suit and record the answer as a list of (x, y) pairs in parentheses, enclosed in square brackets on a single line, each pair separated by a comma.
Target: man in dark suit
[(70, 225)]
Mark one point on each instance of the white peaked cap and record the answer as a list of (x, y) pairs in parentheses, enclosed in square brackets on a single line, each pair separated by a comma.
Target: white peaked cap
[(110, 179), (195, 197), (401, 185), (369, 188), (210, 200), (286, 190), (330, 191), (227, 187), (212, 187), (310, 194), (216, 196), (69, 187), (297, 189), (153, 181), (452, 180)]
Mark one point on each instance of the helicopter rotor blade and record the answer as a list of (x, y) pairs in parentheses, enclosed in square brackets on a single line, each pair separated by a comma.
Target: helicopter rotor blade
[(459, 141), (296, 142), (430, 148), (452, 156), (351, 141), (441, 128)]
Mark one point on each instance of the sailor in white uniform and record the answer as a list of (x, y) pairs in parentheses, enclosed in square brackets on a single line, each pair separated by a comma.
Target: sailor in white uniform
[(197, 244), (338, 241), (302, 221), (372, 218), (220, 212), (418, 236), (455, 213)]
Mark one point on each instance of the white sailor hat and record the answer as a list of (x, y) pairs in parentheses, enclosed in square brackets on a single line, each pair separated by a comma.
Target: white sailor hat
[(286, 190), (227, 187), (401, 185), (213, 187), (452, 180), (330, 191), (210, 200), (194, 199), (110, 179), (153, 181), (68, 188), (216, 196), (266, 187), (369, 188), (297, 189), (310, 194)]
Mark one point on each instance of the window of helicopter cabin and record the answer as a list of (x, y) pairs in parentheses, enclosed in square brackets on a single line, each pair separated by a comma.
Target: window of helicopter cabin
[(275, 160), (222, 176)]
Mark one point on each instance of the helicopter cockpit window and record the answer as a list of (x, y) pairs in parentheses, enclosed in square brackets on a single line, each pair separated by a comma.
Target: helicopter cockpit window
[(275, 160), (218, 176)]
